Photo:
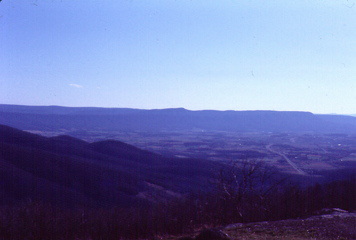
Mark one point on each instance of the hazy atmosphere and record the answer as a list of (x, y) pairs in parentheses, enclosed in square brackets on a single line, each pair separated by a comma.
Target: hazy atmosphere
[(237, 55)]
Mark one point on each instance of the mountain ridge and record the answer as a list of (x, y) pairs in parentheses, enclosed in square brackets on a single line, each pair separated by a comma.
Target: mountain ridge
[(68, 171), (178, 119)]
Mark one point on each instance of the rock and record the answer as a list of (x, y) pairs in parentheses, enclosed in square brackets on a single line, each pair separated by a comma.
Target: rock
[(330, 211), (212, 234), (338, 210), (233, 226)]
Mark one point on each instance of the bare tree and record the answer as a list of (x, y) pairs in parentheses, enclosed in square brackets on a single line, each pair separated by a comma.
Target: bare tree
[(243, 189)]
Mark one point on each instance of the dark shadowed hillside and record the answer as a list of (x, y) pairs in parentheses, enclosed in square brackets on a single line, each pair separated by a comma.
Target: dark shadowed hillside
[(53, 118), (68, 171)]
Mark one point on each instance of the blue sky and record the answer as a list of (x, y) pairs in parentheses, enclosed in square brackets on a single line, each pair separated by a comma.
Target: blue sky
[(236, 55)]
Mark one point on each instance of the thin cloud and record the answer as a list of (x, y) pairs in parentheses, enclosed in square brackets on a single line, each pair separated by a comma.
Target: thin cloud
[(75, 85)]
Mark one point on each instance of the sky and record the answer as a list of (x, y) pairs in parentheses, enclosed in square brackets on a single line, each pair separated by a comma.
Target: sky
[(197, 54)]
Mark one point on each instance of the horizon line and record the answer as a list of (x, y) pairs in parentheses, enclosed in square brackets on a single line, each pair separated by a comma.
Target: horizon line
[(181, 108)]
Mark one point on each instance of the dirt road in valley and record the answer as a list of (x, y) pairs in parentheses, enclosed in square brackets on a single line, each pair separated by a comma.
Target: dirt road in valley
[(292, 164)]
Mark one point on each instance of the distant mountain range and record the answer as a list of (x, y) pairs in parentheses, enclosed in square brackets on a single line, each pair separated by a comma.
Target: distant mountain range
[(70, 172), (52, 118)]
